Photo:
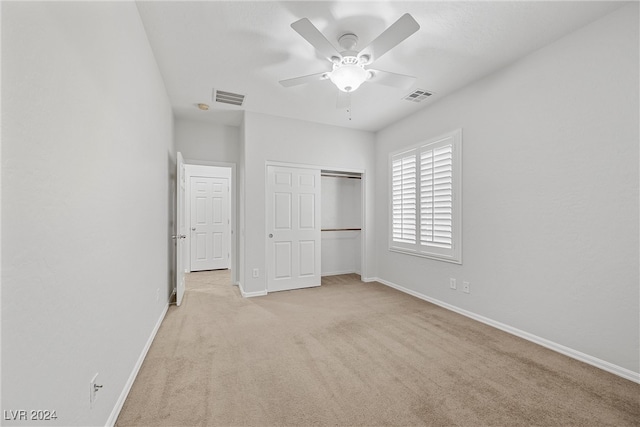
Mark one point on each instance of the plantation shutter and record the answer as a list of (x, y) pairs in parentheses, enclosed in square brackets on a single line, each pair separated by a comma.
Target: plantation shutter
[(436, 196), (426, 194), (404, 193)]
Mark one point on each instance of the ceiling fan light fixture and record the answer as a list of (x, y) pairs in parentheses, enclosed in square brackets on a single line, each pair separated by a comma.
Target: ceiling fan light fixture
[(364, 59), (348, 77)]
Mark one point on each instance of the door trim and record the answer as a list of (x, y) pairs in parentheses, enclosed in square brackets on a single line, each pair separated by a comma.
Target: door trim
[(181, 176)]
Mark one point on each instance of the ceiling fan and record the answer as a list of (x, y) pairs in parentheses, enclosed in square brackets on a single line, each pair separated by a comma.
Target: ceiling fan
[(349, 71)]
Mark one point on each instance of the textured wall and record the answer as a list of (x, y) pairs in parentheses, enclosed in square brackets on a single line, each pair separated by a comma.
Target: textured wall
[(87, 202), (207, 141), (550, 193)]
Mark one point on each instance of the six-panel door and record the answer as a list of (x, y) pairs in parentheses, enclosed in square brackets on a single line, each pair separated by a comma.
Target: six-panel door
[(293, 228), (209, 223)]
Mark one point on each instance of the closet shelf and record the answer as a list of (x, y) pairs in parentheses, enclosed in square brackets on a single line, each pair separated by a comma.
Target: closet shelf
[(341, 229), (339, 175)]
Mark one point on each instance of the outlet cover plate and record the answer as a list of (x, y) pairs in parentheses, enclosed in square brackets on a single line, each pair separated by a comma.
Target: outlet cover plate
[(452, 283), (466, 287)]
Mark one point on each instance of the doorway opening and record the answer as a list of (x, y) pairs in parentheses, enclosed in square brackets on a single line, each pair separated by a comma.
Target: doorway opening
[(210, 212), (341, 200)]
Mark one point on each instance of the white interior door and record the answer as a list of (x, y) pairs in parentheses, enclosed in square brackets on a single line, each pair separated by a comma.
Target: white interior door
[(293, 228), (180, 227), (210, 227)]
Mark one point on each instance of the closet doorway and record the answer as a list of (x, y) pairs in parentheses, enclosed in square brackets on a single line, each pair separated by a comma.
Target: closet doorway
[(341, 222), (314, 224)]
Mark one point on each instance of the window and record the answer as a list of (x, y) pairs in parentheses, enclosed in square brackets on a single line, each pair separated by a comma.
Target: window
[(426, 195)]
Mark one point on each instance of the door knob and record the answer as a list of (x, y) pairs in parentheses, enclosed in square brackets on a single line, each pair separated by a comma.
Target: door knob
[(182, 236), (193, 229), (270, 236)]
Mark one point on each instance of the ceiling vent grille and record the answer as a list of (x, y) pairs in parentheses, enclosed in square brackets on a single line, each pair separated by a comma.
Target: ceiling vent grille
[(418, 95), (228, 97)]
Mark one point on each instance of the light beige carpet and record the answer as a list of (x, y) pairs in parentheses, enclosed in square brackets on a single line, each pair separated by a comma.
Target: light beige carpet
[(356, 354)]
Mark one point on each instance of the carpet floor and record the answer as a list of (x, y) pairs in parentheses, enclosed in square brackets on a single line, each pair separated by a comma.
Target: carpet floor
[(350, 353)]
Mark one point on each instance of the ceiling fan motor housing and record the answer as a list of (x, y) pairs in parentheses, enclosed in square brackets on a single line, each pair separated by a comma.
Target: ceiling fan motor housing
[(348, 41)]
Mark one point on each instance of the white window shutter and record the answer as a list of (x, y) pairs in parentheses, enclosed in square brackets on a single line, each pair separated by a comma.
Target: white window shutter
[(404, 198), (436, 196), (426, 186)]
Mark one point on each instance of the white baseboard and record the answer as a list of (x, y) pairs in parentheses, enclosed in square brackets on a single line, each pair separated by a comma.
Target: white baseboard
[(575, 354), (251, 294), (337, 273), (134, 373)]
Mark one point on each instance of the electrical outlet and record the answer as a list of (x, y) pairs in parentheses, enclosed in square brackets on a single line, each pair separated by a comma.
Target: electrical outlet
[(452, 283), (256, 272), (94, 388), (466, 287)]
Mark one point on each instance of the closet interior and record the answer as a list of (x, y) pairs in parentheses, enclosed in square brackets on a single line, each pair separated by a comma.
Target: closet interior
[(341, 222)]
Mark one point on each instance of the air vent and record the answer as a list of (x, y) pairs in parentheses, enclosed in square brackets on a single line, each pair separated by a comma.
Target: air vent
[(418, 95), (228, 97)]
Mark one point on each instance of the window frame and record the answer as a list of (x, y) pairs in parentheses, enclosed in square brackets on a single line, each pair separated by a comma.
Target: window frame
[(434, 251)]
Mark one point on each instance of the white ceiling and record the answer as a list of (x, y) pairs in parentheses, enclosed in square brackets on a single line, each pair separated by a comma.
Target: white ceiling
[(247, 47)]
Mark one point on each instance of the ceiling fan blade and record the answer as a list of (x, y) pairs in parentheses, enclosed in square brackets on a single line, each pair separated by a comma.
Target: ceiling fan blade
[(386, 78), (304, 79), (391, 37), (310, 33)]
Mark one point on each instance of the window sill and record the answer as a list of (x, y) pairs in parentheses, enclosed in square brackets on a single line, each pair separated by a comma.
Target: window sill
[(436, 257)]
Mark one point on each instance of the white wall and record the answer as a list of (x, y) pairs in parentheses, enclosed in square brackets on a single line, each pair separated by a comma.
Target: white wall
[(550, 193), (207, 141), (87, 155), (341, 208), (270, 138)]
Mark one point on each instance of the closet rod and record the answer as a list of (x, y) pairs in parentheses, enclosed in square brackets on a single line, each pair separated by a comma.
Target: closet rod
[(341, 229), (341, 176)]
